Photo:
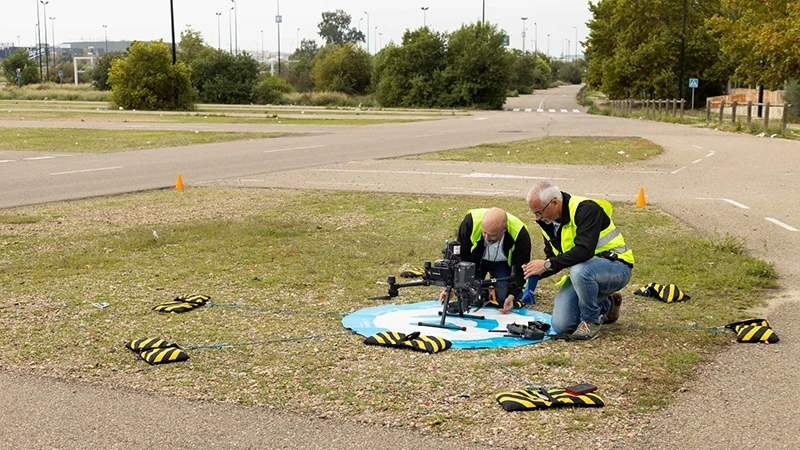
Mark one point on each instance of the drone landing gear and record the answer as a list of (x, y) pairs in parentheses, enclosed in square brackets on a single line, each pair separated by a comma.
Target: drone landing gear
[(443, 323)]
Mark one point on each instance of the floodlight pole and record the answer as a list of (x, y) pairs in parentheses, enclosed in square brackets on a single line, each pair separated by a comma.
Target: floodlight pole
[(219, 33), (172, 19)]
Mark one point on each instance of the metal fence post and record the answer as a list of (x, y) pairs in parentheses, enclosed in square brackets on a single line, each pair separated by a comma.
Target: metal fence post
[(721, 111), (674, 107), (785, 119), (766, 118), (733, 112), (749, 113)]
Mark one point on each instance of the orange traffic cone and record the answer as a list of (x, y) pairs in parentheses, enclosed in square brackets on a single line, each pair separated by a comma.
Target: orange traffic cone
[(179, 183), (640, 201)]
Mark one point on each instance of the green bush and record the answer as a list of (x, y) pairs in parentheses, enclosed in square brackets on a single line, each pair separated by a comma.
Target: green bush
[(220, 77), (329, 99), (513, 93), (270, 91), (99, 74), (346, 69), (148, 80), (20, 60)]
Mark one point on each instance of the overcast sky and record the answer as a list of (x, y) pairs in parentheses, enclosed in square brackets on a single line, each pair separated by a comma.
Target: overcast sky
[(150, 19)]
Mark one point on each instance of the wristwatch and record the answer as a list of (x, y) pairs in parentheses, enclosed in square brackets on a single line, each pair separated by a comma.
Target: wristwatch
[(547, 264)]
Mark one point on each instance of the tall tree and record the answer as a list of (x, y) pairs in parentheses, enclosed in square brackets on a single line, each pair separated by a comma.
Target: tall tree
[(345, 69), (308, 49), (335, 28), (762, 37), (634, 47)]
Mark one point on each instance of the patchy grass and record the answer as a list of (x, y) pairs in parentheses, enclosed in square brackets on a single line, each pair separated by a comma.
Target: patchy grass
[(115, 116), (54, 91), (320, 254), (79, 141), (555, 150)]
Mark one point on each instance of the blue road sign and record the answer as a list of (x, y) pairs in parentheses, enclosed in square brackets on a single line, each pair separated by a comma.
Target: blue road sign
[(19, 75), (506, 41), (694, 83), (61, 73)]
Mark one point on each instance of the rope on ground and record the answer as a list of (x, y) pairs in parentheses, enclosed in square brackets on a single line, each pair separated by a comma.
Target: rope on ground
[(271, 341)]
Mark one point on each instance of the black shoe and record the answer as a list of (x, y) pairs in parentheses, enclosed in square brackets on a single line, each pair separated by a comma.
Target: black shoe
[(613, 314)]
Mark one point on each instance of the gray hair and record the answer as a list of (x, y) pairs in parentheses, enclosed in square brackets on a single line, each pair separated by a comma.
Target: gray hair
[(546, 192)]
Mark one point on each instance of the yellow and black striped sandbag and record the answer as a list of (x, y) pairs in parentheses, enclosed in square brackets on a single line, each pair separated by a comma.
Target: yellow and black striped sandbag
[(183, 304), (412, 272), (529, 399), (164, 355), (141, 345), (414, 341), (668, 293), (753, 331)]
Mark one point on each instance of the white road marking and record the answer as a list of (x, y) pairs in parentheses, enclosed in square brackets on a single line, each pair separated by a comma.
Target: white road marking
[(528, 110), (86, 170), (697, 161), (680, 141), (541, 103), (432, 134), (551, 110), (564, 110), (781, 224), (515, 109), (6, 160), (735, 203), (482, 191), (37, 158), (697, 146), (676, 171), (295, 148), (710, 154), (540, 110), (482, 118), (576, 110), (453, 174)]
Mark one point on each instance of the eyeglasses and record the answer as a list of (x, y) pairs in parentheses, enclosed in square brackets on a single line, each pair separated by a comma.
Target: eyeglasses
[(539, 214)]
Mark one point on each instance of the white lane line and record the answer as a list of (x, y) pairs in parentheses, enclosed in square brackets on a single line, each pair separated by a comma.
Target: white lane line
[(697, 146), (697, 161), (576, 110), (710, 154), (86, 170), (676, 171), (432, 134), (540, 110), (453, 174), (564, 110), (528, 110), (479, 118), (515, 109), (37, 158), (6, 160), (482, 191), (781, 224), (551, 110), (735, 203), (541, 103), (295, 148)]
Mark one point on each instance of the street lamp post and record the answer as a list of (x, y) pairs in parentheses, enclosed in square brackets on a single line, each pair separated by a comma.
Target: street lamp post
[(535, 37), (46, 49), (380, 42), (375, 41), (425, 16), (523, 34), (53, 35), (236, 24), (230, 30), (174, 49), (278, 20), (219, 33), (298, 39), (367, 30), (105, 33), (39, 41), (483, 13), (261, 57), (576, 45)]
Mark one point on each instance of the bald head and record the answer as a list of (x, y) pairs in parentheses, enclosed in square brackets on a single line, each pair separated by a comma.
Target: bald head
[(494, 224)]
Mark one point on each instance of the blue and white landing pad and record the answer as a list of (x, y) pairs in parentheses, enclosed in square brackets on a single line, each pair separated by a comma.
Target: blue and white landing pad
[(405, 319)]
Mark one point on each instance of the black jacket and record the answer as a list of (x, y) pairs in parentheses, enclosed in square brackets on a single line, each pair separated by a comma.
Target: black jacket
[(522, 252)]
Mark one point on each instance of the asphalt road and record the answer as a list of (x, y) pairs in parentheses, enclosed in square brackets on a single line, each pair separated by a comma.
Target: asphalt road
[(716, 182)]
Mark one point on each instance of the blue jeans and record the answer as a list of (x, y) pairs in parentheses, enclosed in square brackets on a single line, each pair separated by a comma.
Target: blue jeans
[(584, 297), (497, 269)]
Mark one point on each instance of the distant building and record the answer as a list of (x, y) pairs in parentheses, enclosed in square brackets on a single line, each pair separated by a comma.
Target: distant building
[(97, 48)]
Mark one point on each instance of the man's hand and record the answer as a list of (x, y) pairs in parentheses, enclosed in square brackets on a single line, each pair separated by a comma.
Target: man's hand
[(535, 267), (442, 294), (507, 305)]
